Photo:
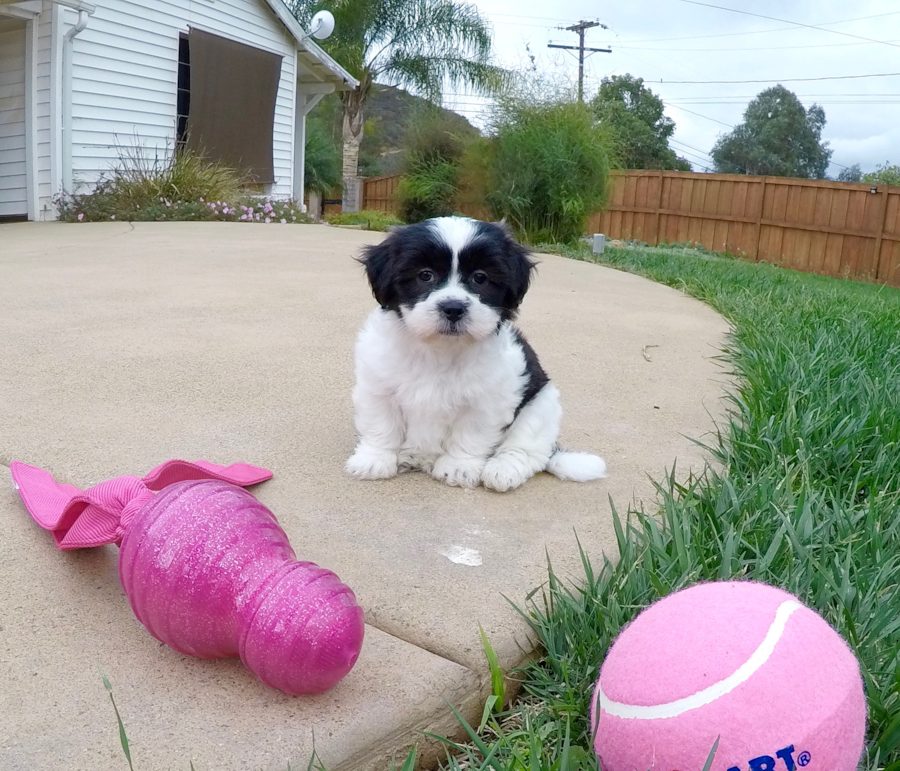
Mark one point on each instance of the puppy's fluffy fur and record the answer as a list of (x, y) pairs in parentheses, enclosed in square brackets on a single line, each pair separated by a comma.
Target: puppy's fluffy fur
[(445, 383)]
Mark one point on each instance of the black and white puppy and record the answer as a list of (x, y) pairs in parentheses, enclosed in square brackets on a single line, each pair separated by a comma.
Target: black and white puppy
[(445, 383)]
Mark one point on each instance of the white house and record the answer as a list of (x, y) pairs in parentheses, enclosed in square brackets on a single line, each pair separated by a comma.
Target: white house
[(80, 82)]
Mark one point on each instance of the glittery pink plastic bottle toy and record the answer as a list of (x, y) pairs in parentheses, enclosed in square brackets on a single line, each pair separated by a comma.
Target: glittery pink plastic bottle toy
[(208, 570)]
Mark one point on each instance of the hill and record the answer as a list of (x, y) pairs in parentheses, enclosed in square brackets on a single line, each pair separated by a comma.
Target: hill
[(389, 111)]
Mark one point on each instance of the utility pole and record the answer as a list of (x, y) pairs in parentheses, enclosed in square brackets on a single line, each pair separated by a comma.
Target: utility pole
[(580, 28)]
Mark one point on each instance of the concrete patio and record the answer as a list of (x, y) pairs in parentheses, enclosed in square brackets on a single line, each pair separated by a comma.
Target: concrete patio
[(122, 346)]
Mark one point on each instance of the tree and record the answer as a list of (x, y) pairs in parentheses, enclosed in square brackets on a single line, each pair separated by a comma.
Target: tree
[(778, 137), (883, 175), (550, 169), (636, 115), (323, 159), (423, 45), (850, 174)]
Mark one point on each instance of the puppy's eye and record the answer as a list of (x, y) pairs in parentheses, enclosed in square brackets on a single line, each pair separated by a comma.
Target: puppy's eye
[(479, 277), (425, 275)]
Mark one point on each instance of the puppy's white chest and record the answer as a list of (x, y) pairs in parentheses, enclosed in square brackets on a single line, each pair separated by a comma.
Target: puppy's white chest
[(439, 383)]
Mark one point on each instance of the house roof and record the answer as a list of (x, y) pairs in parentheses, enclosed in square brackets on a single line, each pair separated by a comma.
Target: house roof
[(317, 66)]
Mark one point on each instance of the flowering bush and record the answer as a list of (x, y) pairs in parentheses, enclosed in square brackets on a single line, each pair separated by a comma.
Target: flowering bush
[(182, 185), (100, 207)]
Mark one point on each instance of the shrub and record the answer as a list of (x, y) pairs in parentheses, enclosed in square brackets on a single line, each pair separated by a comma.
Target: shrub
[(183, 175), (427, 190), (434, 148), (884, 174), (181, 186), (475, 178), (369, 219), (551, 169), (322, 169)]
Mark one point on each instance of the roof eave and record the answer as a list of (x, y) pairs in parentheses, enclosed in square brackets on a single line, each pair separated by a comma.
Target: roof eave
[(342, 80)]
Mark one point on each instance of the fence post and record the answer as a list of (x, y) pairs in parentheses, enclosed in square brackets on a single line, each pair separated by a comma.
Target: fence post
[(880, 236), (659, 207), (762, 204)]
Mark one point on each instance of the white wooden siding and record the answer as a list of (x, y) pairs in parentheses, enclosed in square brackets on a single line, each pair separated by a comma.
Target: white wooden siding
[(42, 114), (125, 76), (13, 188)]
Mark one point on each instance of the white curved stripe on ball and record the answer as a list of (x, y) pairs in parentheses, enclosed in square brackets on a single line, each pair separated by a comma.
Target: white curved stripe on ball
[(714, 691)]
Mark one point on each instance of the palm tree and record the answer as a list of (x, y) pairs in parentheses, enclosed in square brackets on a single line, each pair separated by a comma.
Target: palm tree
[(423, 45)]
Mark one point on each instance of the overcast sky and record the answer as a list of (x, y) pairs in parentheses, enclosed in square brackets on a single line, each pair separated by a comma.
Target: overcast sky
[(674, 40)]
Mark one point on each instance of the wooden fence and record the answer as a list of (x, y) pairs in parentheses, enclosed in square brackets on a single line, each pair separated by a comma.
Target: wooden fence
[(817, 226), (378, 193)]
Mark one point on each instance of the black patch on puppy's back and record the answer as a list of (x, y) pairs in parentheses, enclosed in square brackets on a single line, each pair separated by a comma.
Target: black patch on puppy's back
[(536, 378)]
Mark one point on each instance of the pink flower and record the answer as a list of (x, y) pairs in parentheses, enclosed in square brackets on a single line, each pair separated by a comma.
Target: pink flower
[(168, 204), (284, 222), (268, 220), (81, 216), (201, 200)]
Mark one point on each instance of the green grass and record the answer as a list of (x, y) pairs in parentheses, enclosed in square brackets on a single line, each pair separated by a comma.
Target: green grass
[(123, 736), (804, 494), (368, 218)]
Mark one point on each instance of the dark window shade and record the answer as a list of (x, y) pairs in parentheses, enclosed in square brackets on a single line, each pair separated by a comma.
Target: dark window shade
[(183, 103), (232, 108)]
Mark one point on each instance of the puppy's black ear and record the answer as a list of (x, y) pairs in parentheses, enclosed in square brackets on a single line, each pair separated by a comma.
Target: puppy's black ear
[(379, 263), (504, 226), (521, 266)]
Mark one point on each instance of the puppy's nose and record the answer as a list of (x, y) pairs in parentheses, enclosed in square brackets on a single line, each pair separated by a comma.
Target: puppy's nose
[(453, 310)]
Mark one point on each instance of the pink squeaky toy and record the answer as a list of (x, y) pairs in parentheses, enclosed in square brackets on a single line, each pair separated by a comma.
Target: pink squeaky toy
[(208, 570)]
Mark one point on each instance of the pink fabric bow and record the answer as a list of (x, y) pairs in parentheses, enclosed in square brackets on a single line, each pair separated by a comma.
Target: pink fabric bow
[(99, 515)]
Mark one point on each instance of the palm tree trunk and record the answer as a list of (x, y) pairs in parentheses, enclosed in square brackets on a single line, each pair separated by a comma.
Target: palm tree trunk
[(352, 137)]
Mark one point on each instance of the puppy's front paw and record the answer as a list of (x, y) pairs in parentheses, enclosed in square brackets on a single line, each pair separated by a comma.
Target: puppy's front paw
[(505, 472), (372, 463), (459, 472)]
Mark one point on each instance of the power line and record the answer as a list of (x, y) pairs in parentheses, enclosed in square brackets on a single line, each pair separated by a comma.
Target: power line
[(788, 21), (729, 50), (684, 99), (714, 120), (690, 147), (825, 103), (776, 80), (761, 31)]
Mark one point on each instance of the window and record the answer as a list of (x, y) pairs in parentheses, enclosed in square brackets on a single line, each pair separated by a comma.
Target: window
[(183, 106)]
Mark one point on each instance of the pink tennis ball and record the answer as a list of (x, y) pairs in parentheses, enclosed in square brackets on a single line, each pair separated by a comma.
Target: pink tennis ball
[(209, 571), (741, 662)]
